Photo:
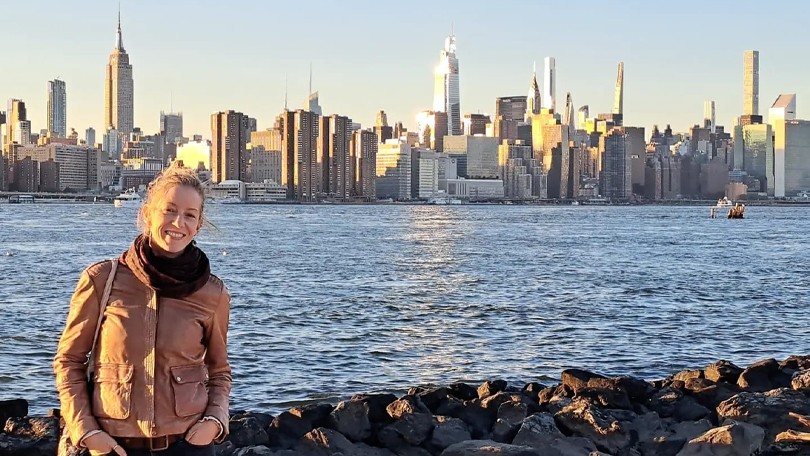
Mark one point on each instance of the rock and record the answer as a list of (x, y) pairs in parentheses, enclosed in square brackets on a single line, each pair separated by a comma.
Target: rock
[(581, 419), (547, 395), (510, 418), (488, 388), (407, 405), (801, 380), (533, 389), (796, 363), (769, 410), (33, 427), (462, 391), (264, 419), (577, 378), (723, 372), (736, 439), (670, 402), (247, 431), (14, 408), (494, 402), (323, 441), (317, 415), (612, 397), (377, 406), (708, 393), (478, 419), (431, 397), (688, 375), (226, 448), (286, 429), (540, 432), (763, 376), (412, 451), (350, 418), (259, 450), (488, 447), (414, 428), (447, 431)]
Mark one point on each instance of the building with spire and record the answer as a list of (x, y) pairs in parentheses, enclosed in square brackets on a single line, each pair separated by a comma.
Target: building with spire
[(550, 85), (533, 102), (57, 108), (446, 96), (119, 97)]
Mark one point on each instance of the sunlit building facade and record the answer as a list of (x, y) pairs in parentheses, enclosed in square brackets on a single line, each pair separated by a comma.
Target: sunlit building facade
[(446, 97), (119, 96), (393, 171)]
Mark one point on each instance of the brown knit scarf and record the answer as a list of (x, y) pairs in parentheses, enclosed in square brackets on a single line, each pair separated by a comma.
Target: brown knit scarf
[(170, 277)]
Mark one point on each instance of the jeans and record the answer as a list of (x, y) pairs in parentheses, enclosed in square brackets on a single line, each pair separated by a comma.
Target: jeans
[(179, 448)]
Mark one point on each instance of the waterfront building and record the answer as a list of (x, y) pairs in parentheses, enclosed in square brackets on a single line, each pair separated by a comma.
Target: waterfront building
[(137, 173), (49, 176), (550, 84), (432, 127), (57, 109), (446, 87), (119, 91), (26, 175), (109, 175), (15, 114), (424, 173), (299, 162), (509, 113), (90, 136), (229, 137), (171, 126), (754, 154), (365, 144), (475, 189), (477, 155), (751, 83), (78, 165), (475, 124), (393, 170), (791, 157), (615, 179), (264, 165), (336, 177)]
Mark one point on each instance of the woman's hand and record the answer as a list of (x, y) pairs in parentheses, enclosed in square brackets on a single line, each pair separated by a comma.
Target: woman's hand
[(202, 433), (103, 443)]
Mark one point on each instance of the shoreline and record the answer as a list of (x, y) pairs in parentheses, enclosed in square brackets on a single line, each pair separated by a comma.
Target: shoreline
[(762, 408)]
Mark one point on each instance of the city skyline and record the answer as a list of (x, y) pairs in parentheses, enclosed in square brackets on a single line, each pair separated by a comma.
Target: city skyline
[(181, 65)]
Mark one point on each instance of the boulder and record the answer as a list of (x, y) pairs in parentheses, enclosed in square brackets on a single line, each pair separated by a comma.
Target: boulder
[(317, 415), (14, 408), (447, 431), (708, 393), (462, 391), (533, 389), (323, 441), (406, 405), (493, 403), (247, 431), (609, 397), (432, 397), (769, 410), (287, 429), (33, 427), (763, 376), (377, 406), (671, 402), (688, 375), (723, 372), (737, 439), (478, 419), (264, 419), (488, 448), (581, 419), (414, 428), (488, 388), (510, 418), (350, 418), (796, 363), (259, 450), (577, 378), (801, 380)]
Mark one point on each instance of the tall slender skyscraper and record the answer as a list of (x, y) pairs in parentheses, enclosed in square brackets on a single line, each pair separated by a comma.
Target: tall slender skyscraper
[(550, 85), (708, 115), (57, 108), (15, 115), (119, 97), (569, 116), (446, 96), (171, 126), (618, 101), (229, 137), (751, 83), (533, 102)]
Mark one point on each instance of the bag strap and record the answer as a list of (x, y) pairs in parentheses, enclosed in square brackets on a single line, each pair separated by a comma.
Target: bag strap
[(104, 298)]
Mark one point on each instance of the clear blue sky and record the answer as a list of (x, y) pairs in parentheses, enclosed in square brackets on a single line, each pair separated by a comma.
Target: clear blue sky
[(213, 55)]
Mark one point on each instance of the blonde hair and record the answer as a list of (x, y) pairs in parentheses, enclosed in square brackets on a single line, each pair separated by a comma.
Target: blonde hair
[(173, 176)]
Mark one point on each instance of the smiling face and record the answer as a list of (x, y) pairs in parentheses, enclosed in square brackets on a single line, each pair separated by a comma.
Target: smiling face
[(173, 220)]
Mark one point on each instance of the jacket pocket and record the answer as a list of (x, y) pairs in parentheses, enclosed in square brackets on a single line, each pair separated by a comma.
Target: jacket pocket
[(112, 393), (190, 390)]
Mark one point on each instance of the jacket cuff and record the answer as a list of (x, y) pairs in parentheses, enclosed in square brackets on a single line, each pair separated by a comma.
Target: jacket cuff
[(221, 418), (83, 429)]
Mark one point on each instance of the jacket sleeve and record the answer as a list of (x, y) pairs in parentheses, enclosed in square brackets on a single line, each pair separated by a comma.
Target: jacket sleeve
[(216, 360), (71, 356)]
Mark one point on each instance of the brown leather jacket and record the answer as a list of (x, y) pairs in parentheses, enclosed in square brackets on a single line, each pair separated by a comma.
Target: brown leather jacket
[(161, 363)]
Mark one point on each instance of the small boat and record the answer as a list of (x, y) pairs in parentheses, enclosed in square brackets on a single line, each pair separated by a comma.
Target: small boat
[(443, 200), (128, 198), (724, 203)]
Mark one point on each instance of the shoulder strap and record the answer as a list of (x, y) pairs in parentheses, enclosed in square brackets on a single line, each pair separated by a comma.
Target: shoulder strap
[(104, 298)]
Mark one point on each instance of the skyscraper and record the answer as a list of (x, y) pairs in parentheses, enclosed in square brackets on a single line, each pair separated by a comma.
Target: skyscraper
[(171, 126), (509, 112), (90, 137), (119, 97), (533, 102), (708, 115), (618, 100), (446, 88), (751, 83), (229, 137), (57, 108), (16, 113), (550, 85)]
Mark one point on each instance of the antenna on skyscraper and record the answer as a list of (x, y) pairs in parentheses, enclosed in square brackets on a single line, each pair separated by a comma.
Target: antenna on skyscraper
[(171, 102), (310, 79), (285, 91)]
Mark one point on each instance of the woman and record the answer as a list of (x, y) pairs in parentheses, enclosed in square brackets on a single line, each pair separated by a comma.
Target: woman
[(162, 378)]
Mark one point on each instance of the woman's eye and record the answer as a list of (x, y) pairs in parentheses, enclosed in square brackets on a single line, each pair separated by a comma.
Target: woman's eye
[(191, 216)]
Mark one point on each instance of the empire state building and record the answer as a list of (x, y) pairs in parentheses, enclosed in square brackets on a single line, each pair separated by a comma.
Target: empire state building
[(119, 89)]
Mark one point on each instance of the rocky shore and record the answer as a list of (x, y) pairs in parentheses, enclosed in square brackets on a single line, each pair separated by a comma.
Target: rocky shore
[(723, 409)]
